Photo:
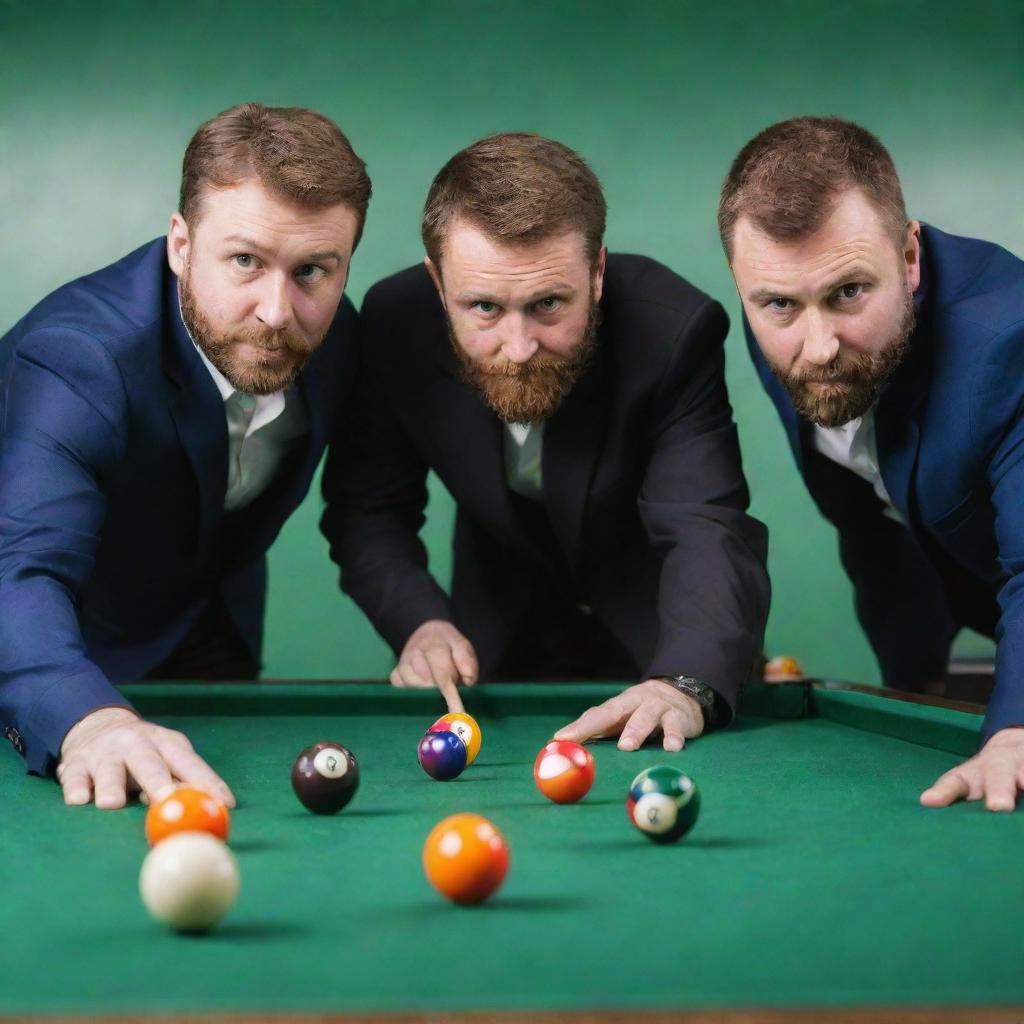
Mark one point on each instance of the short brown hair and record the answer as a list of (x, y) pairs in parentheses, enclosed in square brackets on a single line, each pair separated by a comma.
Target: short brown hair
[(787, 178), (516, 187), (295, 153)]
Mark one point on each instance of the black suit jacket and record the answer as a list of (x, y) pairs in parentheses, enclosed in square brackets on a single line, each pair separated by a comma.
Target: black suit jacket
[(643, 486)]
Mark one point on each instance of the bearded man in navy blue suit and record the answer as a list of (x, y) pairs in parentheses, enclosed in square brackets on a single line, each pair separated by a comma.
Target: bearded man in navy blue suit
[(159, 421), (894, 354)]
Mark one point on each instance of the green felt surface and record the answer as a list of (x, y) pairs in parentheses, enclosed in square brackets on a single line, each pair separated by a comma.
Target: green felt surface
[(812, 876)]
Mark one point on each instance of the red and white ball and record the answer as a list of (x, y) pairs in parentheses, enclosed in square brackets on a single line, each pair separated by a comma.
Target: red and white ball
[(564, 771)]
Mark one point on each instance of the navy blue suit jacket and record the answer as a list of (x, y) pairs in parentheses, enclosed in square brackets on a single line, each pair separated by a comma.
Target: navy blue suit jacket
[(113, 470), (950, 434)]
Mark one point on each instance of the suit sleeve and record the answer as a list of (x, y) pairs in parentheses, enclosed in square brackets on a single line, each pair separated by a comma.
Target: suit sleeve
[(375, 490), (61, 432), (998, 423), (713, 590)]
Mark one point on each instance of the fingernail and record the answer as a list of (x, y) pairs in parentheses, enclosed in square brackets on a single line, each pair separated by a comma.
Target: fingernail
[(627, 744)]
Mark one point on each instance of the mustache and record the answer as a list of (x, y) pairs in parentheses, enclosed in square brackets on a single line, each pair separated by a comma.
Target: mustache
[(266, 339), (503, 367), (835, 372)]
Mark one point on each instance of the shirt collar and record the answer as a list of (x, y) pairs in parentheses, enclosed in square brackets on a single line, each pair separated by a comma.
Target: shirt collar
[(223, 385)]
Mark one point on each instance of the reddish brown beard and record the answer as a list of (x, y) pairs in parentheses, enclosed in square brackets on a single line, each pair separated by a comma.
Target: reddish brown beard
[(529, 392), (859, 381), (252, 377)]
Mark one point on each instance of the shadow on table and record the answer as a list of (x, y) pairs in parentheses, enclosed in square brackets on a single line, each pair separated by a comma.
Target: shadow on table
[(638, 841), (497, 903)]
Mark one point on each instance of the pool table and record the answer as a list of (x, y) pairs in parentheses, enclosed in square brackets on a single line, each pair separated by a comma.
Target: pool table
[(812, 888)]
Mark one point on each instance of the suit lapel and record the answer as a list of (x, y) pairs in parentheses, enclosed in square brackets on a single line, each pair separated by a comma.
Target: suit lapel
[(475, 440), (474, 437), (796, 430), (266, 515), (199, 419), (897, 431), (573, 439)]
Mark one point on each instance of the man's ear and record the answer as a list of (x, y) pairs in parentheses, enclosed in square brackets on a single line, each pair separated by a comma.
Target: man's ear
[(912, 255), (178, 244), (435, 275), (597, 283)]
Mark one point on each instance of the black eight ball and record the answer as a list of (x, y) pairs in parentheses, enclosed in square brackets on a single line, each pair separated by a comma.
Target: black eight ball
[(325, 777)]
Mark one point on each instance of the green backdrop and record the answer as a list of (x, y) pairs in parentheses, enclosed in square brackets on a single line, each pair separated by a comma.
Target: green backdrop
[(97, 102)]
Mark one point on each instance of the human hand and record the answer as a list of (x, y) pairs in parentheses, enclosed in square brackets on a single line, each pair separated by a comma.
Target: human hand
[(640, 712), (437, 654), (995, 773), (112, 751)]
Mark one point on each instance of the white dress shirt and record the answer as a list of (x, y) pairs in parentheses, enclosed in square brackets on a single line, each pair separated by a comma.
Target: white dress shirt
[(853, 445), (523, 445), (261, 431)]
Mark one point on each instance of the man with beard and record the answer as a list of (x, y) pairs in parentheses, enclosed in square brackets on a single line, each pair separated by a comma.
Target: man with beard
[(160, 419), (574, 405), (894, 354)]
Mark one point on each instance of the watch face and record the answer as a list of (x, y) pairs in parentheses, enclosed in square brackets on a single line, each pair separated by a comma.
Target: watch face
[(702, 694)]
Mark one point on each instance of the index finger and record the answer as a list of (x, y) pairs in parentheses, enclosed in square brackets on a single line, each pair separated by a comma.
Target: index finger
[(151, 773), (950, 788), (188, 766), (594, 722), (450, 692)]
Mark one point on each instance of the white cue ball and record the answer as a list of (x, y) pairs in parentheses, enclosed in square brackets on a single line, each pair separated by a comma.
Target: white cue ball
[(189, 881)]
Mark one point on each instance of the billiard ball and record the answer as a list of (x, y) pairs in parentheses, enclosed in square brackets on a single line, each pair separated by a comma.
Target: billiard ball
[(189, 881), (186, 809), (564, 771), (663, 803), (465, 727), (465, 858), (442, 755), (325, 777)]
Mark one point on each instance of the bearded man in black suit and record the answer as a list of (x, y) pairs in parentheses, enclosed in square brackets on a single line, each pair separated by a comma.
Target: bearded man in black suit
[(574, 404)]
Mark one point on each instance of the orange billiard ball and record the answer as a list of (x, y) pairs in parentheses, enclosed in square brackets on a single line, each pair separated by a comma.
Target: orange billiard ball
[(465, 858), (187, 809), (783, 669), (464, 726), (564, 771)]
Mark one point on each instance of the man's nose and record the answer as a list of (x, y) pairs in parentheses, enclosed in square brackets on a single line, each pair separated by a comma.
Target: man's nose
[(820, 341), (274, 308), (518, 345)]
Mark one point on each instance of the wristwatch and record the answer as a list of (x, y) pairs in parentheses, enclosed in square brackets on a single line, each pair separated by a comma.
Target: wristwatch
[(700, 692)]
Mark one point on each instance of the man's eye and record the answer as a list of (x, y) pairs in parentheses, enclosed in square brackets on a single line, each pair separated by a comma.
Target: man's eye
[(849, 292), (549, 305), (779, 304), (485, 307), (245, 261), (309, 272)]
